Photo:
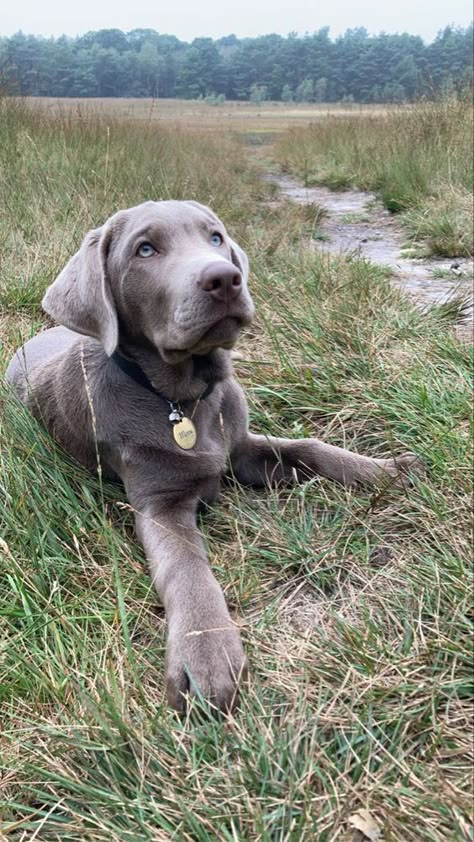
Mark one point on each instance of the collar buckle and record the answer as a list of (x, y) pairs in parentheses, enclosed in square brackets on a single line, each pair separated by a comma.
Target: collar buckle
[(176, 413)]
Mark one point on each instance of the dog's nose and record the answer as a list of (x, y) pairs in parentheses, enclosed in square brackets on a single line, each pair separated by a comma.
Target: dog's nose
[(223, 281)]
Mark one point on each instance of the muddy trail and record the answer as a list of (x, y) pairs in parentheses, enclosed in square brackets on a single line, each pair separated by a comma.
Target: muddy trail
[(357, 223)]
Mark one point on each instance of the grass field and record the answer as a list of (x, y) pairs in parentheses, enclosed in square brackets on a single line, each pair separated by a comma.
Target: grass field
[(236, 116), (356, 607)]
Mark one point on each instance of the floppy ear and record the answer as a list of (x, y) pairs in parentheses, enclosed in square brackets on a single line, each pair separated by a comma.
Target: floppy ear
[(239, 259), (80, 298)]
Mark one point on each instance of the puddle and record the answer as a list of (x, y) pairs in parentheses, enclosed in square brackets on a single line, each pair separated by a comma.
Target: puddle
[(358, 224)]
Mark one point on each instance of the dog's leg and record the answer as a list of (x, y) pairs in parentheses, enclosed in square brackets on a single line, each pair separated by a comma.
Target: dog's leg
[(263, 460), (204, 651)]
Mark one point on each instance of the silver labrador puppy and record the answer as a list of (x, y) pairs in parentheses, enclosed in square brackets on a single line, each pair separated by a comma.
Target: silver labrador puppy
[(141, 377)]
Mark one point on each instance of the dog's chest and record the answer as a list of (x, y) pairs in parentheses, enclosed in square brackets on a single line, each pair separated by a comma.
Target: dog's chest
[(147, 435)]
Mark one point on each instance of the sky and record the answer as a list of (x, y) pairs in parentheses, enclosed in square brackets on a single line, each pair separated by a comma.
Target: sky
[(190, 19)]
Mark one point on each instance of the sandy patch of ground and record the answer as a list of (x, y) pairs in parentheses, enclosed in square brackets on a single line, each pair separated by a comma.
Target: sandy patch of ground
[(357, 223)]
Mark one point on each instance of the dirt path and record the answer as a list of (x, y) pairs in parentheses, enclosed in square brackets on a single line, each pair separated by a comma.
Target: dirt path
[(357, 223)]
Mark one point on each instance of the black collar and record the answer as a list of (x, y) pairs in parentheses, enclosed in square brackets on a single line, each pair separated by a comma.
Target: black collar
[(137, 374)]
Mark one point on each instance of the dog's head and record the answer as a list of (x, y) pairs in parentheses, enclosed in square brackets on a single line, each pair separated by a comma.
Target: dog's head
[(163, 272)]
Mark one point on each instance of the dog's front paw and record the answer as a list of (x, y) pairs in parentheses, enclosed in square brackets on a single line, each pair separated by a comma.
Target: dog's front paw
[(403, 465), (410, 463), (206, 663)]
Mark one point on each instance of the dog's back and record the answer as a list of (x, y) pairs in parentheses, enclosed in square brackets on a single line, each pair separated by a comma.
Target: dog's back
[(40, 353)]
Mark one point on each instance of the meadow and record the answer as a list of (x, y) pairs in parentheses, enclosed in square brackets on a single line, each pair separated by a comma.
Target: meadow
[(242, 116), (355, 605)]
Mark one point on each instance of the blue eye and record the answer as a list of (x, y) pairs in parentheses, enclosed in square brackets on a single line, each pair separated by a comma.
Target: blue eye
[(216, 239), (146, 250)]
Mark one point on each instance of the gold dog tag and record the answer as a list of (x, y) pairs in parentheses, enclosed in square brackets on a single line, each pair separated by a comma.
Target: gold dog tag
[(184, 434)]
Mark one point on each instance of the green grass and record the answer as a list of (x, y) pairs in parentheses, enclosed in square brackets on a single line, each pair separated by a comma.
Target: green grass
[(354, 218), (418, 159), (355, 605)]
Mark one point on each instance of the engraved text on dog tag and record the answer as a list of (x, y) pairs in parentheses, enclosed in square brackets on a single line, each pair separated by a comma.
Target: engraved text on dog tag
[(184, 434)]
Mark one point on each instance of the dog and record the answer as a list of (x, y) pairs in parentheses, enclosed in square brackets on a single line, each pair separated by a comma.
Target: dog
[(138, 379)]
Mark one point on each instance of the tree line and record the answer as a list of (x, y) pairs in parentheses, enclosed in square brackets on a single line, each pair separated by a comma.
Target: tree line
[(355, 67)]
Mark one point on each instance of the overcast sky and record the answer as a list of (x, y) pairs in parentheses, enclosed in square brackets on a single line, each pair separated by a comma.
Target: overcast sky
[(189, 19)]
